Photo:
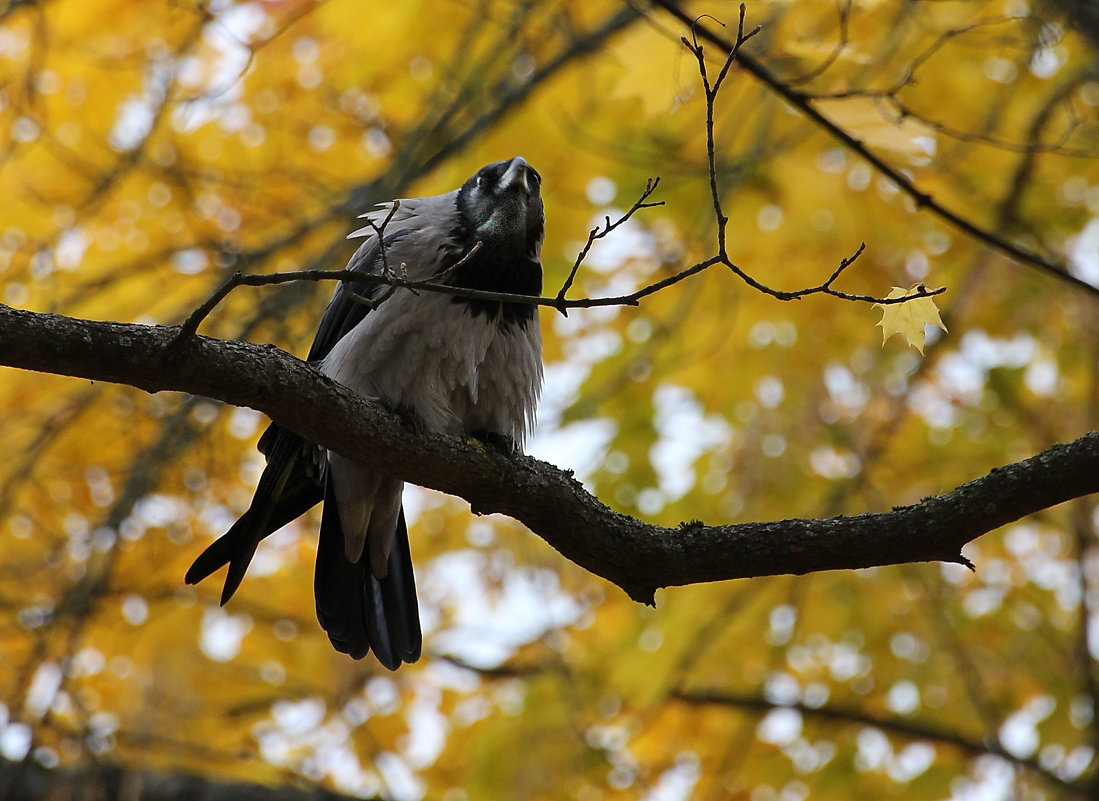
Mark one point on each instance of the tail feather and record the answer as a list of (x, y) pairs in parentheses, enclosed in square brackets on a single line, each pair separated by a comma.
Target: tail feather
[(286, 491), (402, 610), (338, 587), (359, 611)]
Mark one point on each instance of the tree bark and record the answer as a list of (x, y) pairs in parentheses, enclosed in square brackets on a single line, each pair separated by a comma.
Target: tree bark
[(29, 781), (637, 556)]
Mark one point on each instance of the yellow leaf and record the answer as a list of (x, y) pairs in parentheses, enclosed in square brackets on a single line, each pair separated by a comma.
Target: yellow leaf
[(908, 318), (869, 121)]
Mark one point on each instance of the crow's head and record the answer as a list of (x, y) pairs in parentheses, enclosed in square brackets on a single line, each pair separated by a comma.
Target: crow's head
[(501, 207)]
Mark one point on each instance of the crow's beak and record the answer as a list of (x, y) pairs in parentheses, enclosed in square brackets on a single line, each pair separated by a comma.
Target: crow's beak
[(515, 176)]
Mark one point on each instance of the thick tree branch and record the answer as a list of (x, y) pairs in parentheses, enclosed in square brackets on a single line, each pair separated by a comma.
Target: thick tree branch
[(30, 781), (637, 556), (803, 102)]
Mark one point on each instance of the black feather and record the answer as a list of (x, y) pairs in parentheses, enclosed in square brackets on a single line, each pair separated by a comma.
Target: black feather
[(509, 224), (344, 311), (359, 610), (499, 211), (287, 489)]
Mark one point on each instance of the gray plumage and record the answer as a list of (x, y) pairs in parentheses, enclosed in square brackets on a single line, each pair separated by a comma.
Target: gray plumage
[(453, 365)]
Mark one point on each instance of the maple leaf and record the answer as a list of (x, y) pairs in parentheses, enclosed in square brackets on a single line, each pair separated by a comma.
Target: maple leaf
[(908, 318)]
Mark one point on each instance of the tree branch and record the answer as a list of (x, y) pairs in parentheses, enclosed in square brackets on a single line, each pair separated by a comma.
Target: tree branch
[(30, 781), (637, 556), (803, 102), (970, 746)]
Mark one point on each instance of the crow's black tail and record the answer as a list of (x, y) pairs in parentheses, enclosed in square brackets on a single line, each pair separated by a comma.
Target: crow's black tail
[(287, 489), (360, 611)]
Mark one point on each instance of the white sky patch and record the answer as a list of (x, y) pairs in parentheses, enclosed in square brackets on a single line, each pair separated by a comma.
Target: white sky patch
[(627, 242), (221, 634), (277, 551), (244, 422), (158, 510), (961, 375), (1042, 377), (135, 609), (686, 433), (486, 625), (913, 759), (155, 510), (190, 261), (781, 622), (70, 248), (400, 781), (844, 390), (298, 717), (561, 388), (579, 446), (15, 741), (216, 518), (427, 726), (833, 463), (1083, 253), (780, 726), (43, 689), (769, 391), (216, 77), (781, 688), (874, 750), (300, 735), (135, 119), (1019, 733), (601, 190), (677, 782), (993, 780), (903, 698)]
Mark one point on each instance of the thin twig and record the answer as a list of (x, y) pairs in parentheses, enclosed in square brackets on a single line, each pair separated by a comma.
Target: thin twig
[(597, 233), (722, 256), (469, 255), (632, 299), (383, 251), (379, 231), (388, 277), (711, 99), (803, 103)]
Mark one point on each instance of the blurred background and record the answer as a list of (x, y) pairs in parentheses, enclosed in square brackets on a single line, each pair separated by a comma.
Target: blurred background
[(149, 149)]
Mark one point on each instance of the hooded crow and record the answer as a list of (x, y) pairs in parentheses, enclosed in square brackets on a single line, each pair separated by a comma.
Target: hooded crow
[(451, 364)]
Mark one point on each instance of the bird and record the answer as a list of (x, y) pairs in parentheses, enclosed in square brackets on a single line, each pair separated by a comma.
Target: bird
[(448, 364)]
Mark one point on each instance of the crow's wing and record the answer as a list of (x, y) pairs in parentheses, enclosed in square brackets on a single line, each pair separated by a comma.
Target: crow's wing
[(293, 481), (288, 487), (345, 311)]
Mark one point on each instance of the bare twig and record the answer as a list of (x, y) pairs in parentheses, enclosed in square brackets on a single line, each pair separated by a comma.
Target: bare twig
[(379, 231), (722, 256), (711, 100), (387, 270), (469, 255), (599, 233), (388, 277), (803, 103), (395, 281)]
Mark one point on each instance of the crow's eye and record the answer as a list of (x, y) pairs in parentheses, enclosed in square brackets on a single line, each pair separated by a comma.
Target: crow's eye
[(487, 179)]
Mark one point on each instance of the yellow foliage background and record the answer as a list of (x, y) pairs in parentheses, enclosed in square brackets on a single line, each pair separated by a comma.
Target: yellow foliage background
[(148, 149)]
